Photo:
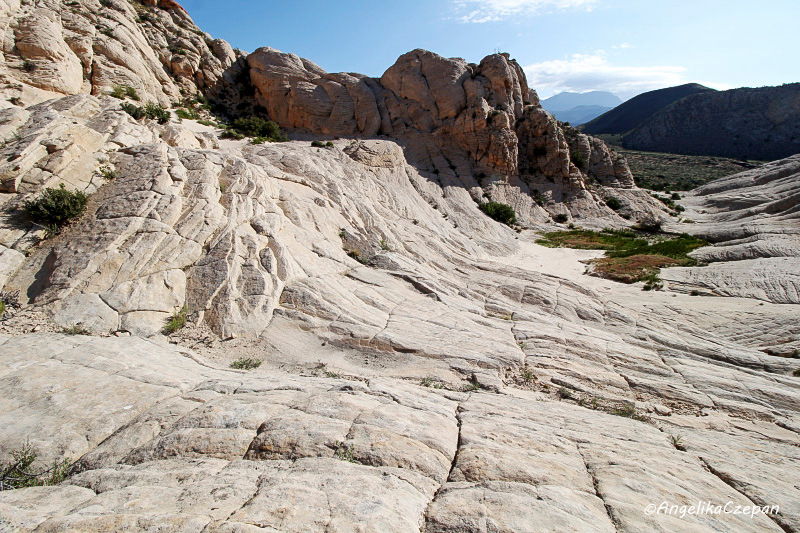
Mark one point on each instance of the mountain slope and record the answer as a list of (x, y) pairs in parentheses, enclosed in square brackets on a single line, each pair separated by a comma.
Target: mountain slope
[(628, 115), (746, 123)]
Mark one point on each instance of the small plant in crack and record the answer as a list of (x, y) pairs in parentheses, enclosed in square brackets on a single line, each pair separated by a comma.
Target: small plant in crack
[(527, 375), (796, 373), (344, 452), (473, 385), (431, 383), (107, 172), (522, 345), (77, 329), (677, 442), (565, 393), (385, 246), (20, 472), (246, 363), (177, 321)]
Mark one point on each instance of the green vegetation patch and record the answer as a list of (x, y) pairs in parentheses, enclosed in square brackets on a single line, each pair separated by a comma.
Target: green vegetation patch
[(56, 207), (19, 472), (151, 110), (630, 256), (257, 127), (246, 363), (500, 212)]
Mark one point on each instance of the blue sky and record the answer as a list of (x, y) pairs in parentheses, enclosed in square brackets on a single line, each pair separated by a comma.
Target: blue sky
[(623, 46)]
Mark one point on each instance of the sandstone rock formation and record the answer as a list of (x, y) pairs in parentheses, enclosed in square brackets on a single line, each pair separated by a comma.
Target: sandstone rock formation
[(476, 125), (53, 48), (752, 220)]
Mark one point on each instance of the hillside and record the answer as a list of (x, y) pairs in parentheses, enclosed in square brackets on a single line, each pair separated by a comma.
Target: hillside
[(211, 322), (628, 115), (761, 123)]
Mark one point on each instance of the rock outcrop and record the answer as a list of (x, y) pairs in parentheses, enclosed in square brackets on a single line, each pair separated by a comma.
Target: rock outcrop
[(752, 220), (53, 48), (478, 125)]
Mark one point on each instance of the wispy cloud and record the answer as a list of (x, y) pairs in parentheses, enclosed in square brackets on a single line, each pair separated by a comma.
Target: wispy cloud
[(594, 71), (479, 11)]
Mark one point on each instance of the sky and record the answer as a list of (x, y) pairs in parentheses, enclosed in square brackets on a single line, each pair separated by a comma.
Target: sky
[(622, 46)]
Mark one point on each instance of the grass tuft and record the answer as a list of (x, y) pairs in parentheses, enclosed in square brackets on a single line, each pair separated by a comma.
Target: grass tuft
[(177, 321)]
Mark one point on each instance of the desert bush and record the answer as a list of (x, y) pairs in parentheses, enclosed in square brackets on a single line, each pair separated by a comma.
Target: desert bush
[(151, 110), (188, 114), (246, 363), (614, 203), (500, 212), (578, 159), (561, 218), (20, 472), (56, 207), (258, 127), (317, 144), (124, 91)]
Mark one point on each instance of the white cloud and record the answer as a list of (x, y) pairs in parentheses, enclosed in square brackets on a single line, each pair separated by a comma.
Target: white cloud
[(594, 72), (493, 10)]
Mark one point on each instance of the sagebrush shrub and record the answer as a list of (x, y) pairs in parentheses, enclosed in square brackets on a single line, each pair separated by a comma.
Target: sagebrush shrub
[(56, 207), (500, 212)]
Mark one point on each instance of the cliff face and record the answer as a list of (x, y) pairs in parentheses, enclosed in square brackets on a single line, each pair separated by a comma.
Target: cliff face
[(53, 48), (479, 125), (759, 123), (475, 125)]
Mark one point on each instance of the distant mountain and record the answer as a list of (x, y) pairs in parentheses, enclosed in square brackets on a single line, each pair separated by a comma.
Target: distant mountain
[(627, 116), (580, 114), (566, 101), (746, 123)]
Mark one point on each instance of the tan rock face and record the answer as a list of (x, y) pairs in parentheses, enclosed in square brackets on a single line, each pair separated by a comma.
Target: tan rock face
[(477, 124), (85, 47)]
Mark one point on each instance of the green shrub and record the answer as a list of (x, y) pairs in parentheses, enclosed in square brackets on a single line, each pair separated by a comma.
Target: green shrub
[(258, 140), (56, 208), (28, 66), (133, 110), (259, 127), (77, 329), (246, 363), (123, 91), (317, 144), (796, 373), (561, 218), (154, 111), (578, 160), (188, 114), (329, 144), (20, 472), (232, 134), (177, 321), (107, 172), (151, 110), (500, 212), (614, 203)]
